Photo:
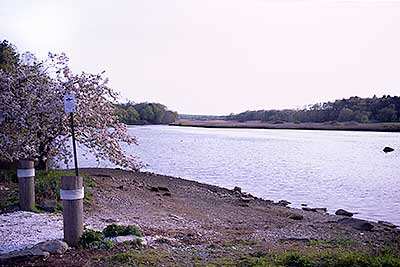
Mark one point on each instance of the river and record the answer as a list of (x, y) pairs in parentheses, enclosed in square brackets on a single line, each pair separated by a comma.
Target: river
[(332, 169)]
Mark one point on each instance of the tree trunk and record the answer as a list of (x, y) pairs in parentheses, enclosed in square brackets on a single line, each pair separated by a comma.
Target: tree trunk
[(42, 164)]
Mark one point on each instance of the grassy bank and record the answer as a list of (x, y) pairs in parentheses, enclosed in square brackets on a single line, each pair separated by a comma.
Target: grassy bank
[(47, 188), (332, 126)]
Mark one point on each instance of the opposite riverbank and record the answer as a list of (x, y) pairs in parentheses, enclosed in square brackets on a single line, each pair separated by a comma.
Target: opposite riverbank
[(331, 126), (195, 224)]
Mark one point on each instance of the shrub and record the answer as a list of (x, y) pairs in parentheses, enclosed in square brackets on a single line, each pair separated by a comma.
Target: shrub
[(120, 230)]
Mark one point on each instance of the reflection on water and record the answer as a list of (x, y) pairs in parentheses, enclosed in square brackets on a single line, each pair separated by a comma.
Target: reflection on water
[(330, 169)]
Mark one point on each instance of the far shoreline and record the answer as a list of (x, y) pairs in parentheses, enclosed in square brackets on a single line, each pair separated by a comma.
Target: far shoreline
[(331, 126)]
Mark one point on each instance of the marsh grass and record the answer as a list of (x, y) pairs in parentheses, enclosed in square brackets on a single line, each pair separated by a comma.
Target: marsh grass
[(47, 187)]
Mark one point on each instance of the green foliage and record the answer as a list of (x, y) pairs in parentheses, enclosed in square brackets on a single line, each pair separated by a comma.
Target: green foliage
[(47, 186), (120, 230), (295, 259), (138, 258), (254, 262), (145, 113), (95, 239), (90, 236), (384, 109), (8, 55)]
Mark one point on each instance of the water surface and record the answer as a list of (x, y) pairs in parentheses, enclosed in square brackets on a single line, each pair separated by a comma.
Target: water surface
[(332, 169)]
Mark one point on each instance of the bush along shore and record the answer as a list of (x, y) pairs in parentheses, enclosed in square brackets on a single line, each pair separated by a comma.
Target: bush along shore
[(330, 126), (145, 219)]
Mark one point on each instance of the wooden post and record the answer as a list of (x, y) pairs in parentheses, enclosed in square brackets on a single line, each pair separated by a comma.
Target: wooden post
[(72, 201), (26, 180)]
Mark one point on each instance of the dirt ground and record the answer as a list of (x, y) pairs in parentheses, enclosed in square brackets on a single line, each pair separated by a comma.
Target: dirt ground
[(187, 214)]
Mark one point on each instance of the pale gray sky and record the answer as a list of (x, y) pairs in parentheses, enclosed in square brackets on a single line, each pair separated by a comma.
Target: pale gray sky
[(219, 56)]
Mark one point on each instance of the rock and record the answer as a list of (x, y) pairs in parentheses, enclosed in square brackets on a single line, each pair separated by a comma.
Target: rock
[(163, 189), (177, 218), (109, 220), (296, 217), (321, 210), (357, 224), (245, 199), (167, 194), (48, 205), (309, 209), (127, 238), (342, 212), (237, 189), (284, 202), (53, 246), (388, 149), (387, 224), (154, 189), (23, 255)]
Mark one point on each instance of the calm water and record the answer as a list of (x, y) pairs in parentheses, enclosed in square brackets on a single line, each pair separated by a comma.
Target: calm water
[(330, 169)]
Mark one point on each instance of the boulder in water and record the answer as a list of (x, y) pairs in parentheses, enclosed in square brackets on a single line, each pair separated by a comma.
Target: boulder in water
[(388, 149), (343, 212)]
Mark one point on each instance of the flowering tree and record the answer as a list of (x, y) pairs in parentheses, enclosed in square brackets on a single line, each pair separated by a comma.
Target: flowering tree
[(32, 119)]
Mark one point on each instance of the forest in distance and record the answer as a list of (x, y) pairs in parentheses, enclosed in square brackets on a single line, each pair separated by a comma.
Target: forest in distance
[(144, 113), (354, 109)]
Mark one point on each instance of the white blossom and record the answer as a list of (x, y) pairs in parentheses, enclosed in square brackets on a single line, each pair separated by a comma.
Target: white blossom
[(32, 119)]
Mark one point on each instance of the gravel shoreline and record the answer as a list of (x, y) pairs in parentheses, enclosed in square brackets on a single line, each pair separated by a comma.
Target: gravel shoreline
[(23, 229), (190, 213)]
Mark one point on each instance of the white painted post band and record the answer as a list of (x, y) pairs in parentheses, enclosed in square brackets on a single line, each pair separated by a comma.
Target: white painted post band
[(21, 173), (72, 194)]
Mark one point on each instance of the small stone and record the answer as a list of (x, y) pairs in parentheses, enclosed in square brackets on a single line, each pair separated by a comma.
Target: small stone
[(162, 188), (388, 149), (321, 210), (309, 209), (53, 246), (176, 217), (357, 224), (127, 238), (343, 212), (296, 217), (387, 224), (284, 202), (245, 199), (23, 255), (237, 189), (167, 194), (154, 189), (48, 205), (303, 204)]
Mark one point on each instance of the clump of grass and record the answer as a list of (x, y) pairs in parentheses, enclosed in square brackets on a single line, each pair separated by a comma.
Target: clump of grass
[(95, 239), (294, 259), (99, 240), (48, 184), (47, 187), (120, 230), (254, 262), (138, 258), (297, 259)]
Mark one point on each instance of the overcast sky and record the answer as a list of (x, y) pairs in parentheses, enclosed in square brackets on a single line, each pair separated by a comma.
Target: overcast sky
[(219, 56)]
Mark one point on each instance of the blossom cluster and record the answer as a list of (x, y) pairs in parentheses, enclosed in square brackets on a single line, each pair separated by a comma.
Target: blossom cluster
[(33, 123)]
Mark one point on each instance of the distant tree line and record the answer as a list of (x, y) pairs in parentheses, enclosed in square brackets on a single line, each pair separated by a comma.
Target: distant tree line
[(145, 113), (363, 110), (199, 117)]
